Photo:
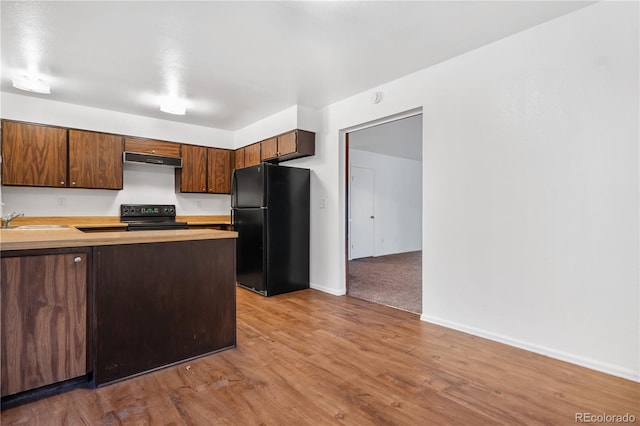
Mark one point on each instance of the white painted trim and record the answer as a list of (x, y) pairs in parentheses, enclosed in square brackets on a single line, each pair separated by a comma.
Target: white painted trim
[(592, 364), (332, 291), (383, 120)]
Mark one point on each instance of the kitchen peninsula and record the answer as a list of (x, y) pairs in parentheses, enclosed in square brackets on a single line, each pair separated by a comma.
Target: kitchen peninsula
[(93, 308)]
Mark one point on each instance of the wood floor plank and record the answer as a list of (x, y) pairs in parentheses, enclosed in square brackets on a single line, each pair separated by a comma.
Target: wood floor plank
[(309, 358)]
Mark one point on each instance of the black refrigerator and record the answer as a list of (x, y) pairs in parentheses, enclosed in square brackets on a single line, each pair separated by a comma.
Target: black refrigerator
[(270, 207)]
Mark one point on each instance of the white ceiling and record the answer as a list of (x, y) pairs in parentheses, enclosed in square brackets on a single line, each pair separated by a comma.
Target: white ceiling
[(399, 138), (238, 62)]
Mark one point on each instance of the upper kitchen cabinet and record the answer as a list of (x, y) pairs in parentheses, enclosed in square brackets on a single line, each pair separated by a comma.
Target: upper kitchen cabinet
[(269, 149), (239, 158), (192, 177), (219, 170), (37, 155), (33, 155), (252, 154), (204, 170), (295, 144), (95, 160), (152, 146)]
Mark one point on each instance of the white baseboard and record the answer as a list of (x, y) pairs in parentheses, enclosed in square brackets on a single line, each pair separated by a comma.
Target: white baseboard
[(603, 367), (333, 291)]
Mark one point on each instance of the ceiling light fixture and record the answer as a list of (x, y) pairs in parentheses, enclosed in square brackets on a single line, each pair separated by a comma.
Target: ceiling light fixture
[(31, 84), (173, 106)]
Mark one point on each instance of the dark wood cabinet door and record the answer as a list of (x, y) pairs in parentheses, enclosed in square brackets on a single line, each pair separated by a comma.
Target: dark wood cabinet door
[(296, 144), (287, 143), (152, 146), (95, 160), (269, 149), (219, 169), (193, 174), (157, 304), (239, 158), (252, 154), (33, 155), (44, 320)]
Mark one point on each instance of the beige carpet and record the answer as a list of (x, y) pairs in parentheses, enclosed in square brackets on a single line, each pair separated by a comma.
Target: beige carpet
[(394, 280)]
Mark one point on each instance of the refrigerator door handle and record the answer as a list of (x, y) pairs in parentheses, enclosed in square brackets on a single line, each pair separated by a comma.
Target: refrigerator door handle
[(234, 189)]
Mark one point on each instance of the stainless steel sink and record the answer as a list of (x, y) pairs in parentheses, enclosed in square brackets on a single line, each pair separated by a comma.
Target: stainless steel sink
[(39, 227)]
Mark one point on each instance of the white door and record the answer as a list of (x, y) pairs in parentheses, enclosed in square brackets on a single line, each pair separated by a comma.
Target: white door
[(361, 212)]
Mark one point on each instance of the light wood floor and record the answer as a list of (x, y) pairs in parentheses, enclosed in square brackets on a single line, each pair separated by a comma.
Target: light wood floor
[(308, 358)]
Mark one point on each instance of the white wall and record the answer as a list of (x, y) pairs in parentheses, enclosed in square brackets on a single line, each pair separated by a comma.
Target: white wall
[(531, 184), (142, 183), (530, 188), (295, 117), (530, 229), (397, 200)]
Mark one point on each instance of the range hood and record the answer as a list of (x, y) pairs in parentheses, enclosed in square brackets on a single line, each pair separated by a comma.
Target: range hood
[(157, 160)]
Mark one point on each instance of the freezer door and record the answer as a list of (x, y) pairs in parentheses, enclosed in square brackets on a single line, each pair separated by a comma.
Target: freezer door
[(250, 256), (248, 187)]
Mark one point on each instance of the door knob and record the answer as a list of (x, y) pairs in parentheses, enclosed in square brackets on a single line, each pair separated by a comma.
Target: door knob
[(77, 259)]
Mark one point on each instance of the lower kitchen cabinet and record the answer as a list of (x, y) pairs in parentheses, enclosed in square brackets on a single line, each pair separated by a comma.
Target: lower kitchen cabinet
[(162, 303), (44, 318)]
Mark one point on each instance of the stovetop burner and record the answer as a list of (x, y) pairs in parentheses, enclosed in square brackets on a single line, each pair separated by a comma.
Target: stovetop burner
[(146, 217)]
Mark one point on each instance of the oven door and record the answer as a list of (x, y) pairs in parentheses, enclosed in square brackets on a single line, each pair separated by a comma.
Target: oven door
[(155, 226)]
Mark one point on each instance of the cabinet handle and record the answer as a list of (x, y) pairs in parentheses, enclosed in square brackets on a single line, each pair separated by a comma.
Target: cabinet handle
[(61, 182), (77, 259), (73, 183), (204, 189)]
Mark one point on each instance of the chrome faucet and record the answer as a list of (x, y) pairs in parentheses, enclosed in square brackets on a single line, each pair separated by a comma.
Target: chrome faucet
[(6, 220)]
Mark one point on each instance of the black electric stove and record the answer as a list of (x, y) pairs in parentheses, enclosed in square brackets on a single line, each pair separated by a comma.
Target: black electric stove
[(150, 217)]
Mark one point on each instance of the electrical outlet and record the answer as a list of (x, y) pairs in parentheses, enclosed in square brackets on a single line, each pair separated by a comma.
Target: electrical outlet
[(62, 202), (323, 203), (199, 204)]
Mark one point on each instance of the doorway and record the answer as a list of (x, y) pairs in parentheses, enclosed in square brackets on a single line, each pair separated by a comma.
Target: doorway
[(384, 213)]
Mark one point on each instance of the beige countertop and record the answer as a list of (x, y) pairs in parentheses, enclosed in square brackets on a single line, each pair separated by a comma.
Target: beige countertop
[(112, 221), (28, 239)]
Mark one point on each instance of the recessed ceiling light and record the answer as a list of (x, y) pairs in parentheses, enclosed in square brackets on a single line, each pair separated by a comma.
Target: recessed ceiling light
[(173, 106), (31, 84)]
